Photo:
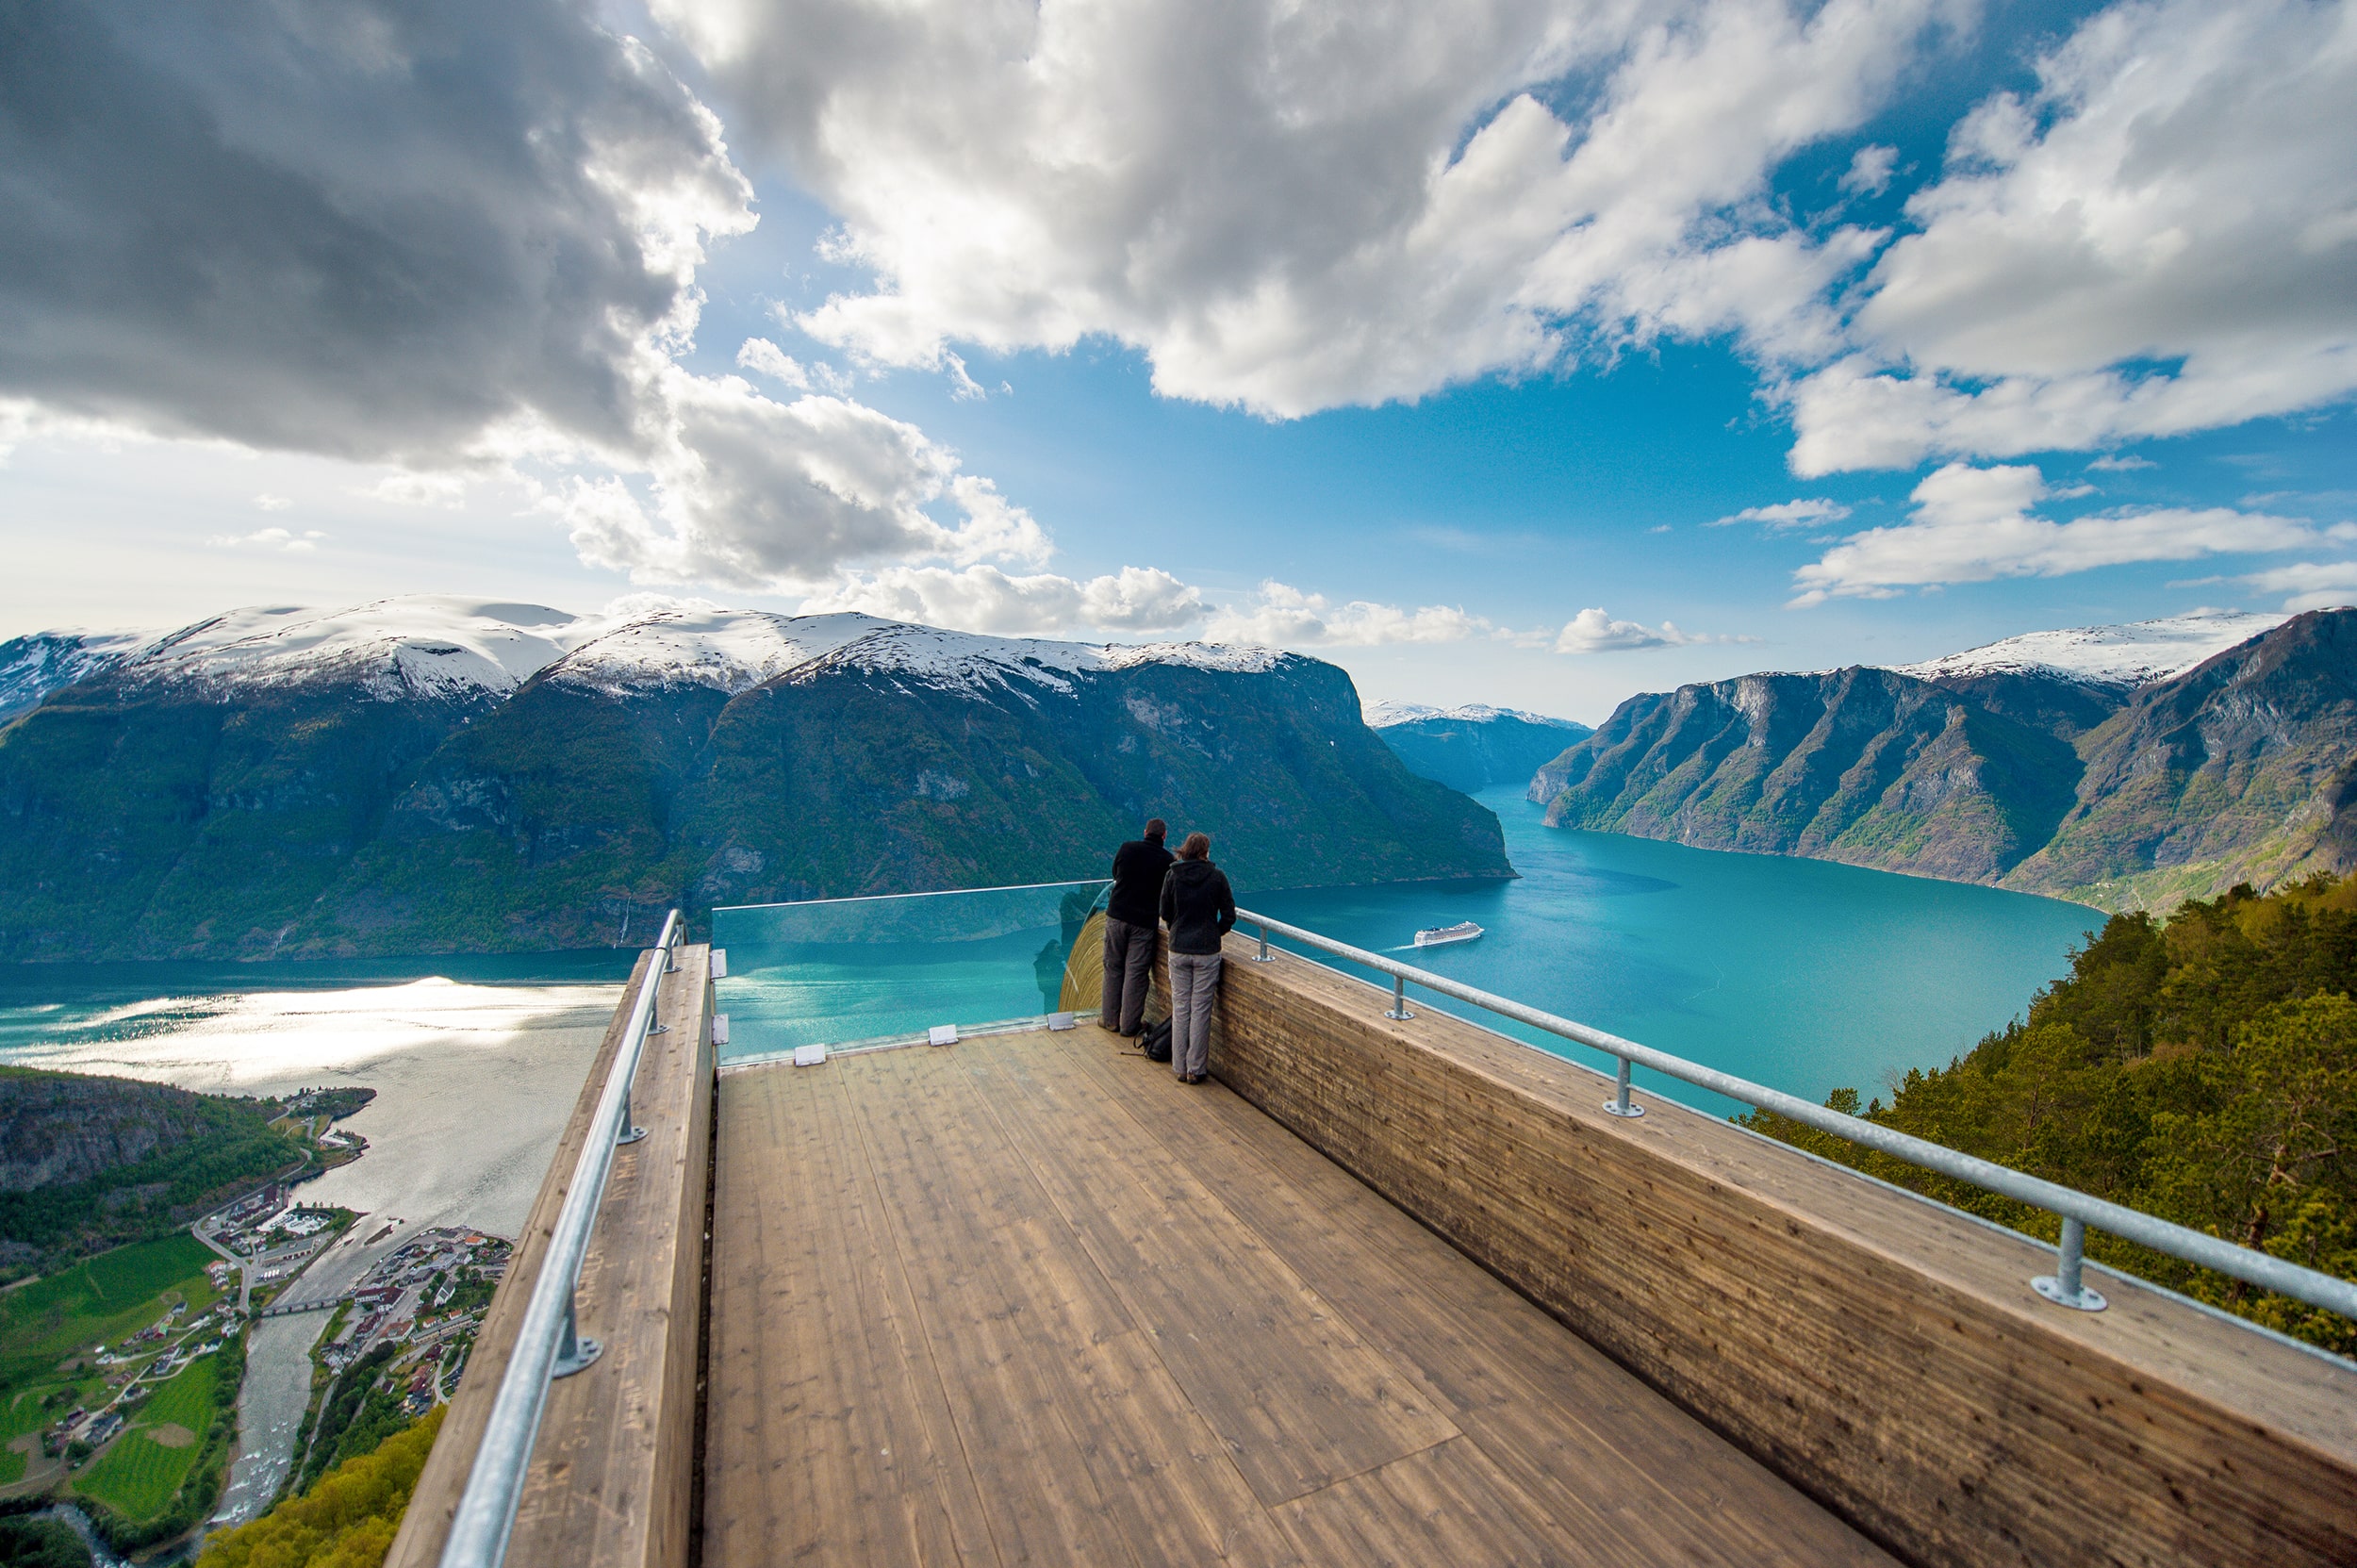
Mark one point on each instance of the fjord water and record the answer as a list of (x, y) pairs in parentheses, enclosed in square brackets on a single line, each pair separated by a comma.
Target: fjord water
[(1800, 974)]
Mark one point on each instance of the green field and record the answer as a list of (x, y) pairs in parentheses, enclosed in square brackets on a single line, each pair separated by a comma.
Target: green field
[(99, 1300), (138, 1477), (18, 1415)]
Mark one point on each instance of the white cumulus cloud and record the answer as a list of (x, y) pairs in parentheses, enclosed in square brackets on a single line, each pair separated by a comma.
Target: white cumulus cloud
[(269, 538), (2308, 585), (1293, 205), (982, 598), (1803, 513), (750, 492), (1869, 170), (420, 490), (2161, 237), (1973, 525), (1285, 617), (1593, 631)]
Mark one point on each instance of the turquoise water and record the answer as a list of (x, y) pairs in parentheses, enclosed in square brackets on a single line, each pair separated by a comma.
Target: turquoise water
[(1799, 974)]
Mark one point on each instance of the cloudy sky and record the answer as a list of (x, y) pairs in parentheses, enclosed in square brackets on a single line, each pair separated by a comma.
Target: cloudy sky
[(1526, 350)]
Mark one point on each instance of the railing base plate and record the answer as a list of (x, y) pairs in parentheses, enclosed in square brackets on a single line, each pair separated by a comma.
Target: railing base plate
[(585, 1351), (1614, 1108), (2085, 1301)]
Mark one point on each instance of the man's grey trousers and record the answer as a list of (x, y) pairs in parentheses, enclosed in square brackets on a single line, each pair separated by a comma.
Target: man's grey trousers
[(1194, 980), (1128, 975)]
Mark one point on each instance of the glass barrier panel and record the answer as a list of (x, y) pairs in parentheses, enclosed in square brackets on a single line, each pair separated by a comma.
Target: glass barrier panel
[(838, 971)]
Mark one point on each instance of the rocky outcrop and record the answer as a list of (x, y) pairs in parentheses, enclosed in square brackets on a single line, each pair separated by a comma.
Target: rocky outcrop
[(57, 1130)]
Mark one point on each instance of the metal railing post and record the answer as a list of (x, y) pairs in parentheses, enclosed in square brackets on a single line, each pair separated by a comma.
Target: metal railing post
[(2065, 1287), (1263, 956), (1399, 1012), (1619, 1105), (572, 1351)]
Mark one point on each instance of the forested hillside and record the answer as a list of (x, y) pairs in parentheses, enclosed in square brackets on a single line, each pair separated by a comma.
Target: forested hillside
[(2204, 1069), (88, 1162)]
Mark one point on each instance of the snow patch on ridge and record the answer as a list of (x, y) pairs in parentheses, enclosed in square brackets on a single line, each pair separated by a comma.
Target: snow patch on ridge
[(1383, 715), (2118, 656), (972, 661), (731, 651), (33, 667), (418, 646)]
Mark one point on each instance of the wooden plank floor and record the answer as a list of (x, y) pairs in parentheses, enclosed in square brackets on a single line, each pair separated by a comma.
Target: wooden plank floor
[(1028, 1300)]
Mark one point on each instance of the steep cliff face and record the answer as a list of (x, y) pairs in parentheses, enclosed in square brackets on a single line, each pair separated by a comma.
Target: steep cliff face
[(2123, 792), (1474, 746), (1864, 766), (2241, 769), (59, 1129), (152, 819), (488, 786)]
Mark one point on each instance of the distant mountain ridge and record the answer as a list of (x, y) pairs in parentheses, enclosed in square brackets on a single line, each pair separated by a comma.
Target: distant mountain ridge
[(2040, 764), (439, 774), (1472, 747), (2122, 657)]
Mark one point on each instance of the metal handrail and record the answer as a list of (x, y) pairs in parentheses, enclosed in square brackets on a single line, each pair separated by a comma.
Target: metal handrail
[(2078, 1209), (548, 1345)]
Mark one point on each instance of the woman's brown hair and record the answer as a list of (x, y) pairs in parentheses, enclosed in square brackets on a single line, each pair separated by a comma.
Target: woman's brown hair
[(1197, 847)]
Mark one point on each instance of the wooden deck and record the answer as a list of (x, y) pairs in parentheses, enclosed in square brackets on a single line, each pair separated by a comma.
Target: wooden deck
[(1027, 1299)]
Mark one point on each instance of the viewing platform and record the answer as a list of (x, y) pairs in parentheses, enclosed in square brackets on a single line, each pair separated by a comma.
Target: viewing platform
[(1387, 1290)]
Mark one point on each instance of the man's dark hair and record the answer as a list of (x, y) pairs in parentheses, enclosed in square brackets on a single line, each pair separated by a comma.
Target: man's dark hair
[(1156, 829)]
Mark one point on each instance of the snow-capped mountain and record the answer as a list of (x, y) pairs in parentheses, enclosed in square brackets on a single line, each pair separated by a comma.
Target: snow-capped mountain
[(429, 775), (441, 645), (2120, 657)]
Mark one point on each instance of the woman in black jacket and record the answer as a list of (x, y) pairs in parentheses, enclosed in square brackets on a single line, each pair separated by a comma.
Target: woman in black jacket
[(1199, 907)]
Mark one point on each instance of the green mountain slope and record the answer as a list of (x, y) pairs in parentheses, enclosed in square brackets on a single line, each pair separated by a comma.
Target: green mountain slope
[(352, 807), (2242, 769), (1864, 766), (1472, 748)]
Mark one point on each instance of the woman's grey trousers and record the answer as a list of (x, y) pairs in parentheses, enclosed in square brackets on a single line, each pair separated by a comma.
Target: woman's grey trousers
[(1194, 979)]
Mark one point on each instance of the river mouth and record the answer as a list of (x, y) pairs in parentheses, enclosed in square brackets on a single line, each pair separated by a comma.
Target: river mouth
[(474, 1083)]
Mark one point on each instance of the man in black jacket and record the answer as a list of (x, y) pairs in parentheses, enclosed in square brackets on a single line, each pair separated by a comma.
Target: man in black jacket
[(1201, 909), (1130, 914)]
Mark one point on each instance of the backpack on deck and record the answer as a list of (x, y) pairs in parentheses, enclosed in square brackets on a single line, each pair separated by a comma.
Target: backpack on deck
[(1155, 1042)]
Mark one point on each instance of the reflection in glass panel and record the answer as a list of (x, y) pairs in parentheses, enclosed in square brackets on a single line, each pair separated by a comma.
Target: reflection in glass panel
[(836, 972)]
